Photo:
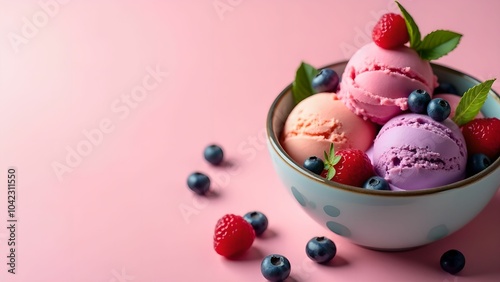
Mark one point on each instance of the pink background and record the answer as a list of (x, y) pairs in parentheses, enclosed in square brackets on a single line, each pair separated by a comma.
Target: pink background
[(115, 214)]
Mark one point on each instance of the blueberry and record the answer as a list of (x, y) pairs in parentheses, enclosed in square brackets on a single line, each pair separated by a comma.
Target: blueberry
[(446, 88), (477, 163), (327, 80), (213, 154), (376, 183), (314, 164), (418, 101), (275, 267), (452, 261), (321, 249), (258, 221), (198, 182), (438, 109)]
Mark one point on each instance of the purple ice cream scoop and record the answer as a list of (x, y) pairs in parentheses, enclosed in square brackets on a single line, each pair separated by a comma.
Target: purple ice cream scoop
[(415, 152)]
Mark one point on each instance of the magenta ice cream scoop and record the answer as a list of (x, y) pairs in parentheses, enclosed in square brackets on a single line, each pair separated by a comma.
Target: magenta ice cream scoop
[(376, 81), (415, 152)]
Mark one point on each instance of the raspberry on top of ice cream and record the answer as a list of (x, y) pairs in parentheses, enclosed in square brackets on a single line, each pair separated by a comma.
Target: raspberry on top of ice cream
[(380, 75)]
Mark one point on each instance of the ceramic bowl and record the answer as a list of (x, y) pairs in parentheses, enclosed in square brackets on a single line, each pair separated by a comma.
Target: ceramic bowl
[(384, 220)]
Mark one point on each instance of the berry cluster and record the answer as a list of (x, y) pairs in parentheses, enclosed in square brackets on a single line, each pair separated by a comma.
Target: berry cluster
[(347, 166), (420, 102), (482, 137), (277, 267), (235, 234), (199, 182)]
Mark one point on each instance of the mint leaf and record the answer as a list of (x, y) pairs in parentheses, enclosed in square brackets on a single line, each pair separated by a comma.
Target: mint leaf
[(471, 102), (413, 31), (301, 86), (438, 43), (435, 44)]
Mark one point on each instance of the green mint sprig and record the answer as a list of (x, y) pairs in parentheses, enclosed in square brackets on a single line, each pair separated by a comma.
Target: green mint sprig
[(411, 26), (471, 102), (435, 44), (330, 161), (301, 86)]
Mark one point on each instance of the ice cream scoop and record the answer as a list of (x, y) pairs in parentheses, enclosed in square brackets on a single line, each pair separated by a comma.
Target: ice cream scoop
[(376, 82), (414, 152), (320, 120)]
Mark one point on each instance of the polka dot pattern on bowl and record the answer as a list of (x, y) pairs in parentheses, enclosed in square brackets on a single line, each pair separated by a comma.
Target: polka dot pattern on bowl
[(435, 233), (438, 232), (298, 196), (338, 229), (331, 211)]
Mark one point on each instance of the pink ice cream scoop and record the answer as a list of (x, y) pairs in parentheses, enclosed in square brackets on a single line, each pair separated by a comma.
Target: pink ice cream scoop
[(320, 120), (376, 81), (415, 152)]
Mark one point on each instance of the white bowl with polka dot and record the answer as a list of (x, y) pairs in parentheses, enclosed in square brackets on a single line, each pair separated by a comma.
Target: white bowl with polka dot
[(384, 220)]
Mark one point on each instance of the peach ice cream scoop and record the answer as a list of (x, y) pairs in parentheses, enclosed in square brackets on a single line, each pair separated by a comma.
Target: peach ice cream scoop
[(376, 82), (320, 120)]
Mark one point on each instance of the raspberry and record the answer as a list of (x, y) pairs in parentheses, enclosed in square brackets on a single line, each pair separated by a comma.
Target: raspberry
[(482, 135), (354, 168), (233, 235), (390, 31)]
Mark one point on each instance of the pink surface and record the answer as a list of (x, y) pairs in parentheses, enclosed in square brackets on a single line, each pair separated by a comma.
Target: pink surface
[(126, 94)]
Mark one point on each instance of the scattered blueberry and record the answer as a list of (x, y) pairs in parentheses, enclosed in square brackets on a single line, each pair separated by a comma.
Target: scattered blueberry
[(198, 182), (321, 249), (275, 267), (213, 154), (258, 221), (477, 163), (376, 183), (314, 164), (452, 261), (418, 101), (446, 88), (327, 80), (438, 109)]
